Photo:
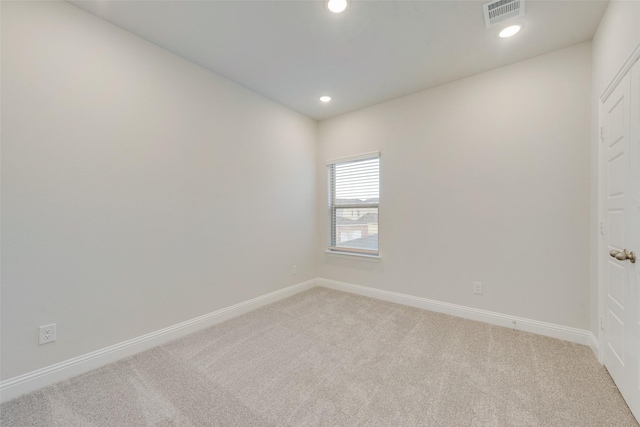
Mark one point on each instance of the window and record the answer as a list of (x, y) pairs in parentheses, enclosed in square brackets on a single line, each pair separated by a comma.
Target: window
[(354, 197)]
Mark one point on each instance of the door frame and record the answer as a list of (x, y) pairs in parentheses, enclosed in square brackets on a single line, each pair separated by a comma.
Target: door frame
[(601, 244)]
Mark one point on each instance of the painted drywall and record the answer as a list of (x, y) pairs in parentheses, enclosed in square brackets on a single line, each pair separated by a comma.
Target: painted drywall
[(484, 179), (138, 189), (617, 37)]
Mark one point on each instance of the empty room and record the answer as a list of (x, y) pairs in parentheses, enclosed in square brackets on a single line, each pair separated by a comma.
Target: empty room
[(320, 213)]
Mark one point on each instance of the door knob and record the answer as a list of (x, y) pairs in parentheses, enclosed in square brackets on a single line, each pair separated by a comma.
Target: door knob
[(624, 255)]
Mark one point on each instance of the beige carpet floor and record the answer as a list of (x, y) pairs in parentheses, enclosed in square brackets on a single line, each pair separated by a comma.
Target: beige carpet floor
[(328, 358)]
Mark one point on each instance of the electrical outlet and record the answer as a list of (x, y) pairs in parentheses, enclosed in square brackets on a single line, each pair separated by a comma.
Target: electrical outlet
[(47, 333), (294, 270), (477, 288)]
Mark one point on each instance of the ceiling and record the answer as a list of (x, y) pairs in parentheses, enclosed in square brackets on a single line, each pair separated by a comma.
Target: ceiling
[(295, 51)]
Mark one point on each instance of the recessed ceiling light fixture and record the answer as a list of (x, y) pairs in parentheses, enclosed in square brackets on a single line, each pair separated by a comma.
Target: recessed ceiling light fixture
[(337, 6), (325, 98), (510, 31)]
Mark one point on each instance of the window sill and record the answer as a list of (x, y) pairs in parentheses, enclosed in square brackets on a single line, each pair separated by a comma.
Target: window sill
[(354, 256)]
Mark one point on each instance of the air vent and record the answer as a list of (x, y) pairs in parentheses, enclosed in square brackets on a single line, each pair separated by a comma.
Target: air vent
[(502, 10)]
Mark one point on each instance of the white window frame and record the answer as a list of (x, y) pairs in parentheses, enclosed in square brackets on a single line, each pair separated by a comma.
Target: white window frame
[(339, 251)]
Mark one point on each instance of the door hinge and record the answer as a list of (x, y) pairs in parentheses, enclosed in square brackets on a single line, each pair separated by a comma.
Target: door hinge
[(601, 228), (602, 133), (601, 323)]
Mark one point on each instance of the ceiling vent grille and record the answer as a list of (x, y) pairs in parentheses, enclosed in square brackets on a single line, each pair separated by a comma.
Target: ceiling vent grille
[(499, 11)]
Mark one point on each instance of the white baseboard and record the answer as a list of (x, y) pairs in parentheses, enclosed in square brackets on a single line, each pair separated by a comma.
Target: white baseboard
[(595, 345), (34, 380), (43, 377), (579, 336)]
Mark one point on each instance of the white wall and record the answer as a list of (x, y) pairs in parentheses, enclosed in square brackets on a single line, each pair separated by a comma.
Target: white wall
[(138, 190), (617, 37), (484, 179)]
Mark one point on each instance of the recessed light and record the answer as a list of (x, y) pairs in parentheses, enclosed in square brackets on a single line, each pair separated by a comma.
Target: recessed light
[(325, 98), (510, 31), (337, 6)]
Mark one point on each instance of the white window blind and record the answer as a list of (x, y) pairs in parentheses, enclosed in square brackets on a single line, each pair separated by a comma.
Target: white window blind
[(354, 198)]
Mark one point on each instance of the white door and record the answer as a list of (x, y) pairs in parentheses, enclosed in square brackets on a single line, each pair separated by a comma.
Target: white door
[(621, 170)]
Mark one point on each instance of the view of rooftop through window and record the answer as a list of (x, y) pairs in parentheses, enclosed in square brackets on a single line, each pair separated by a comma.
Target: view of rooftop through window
[(354, 196)]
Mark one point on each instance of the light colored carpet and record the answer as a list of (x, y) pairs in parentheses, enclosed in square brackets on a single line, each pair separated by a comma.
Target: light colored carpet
[(328, 358)]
